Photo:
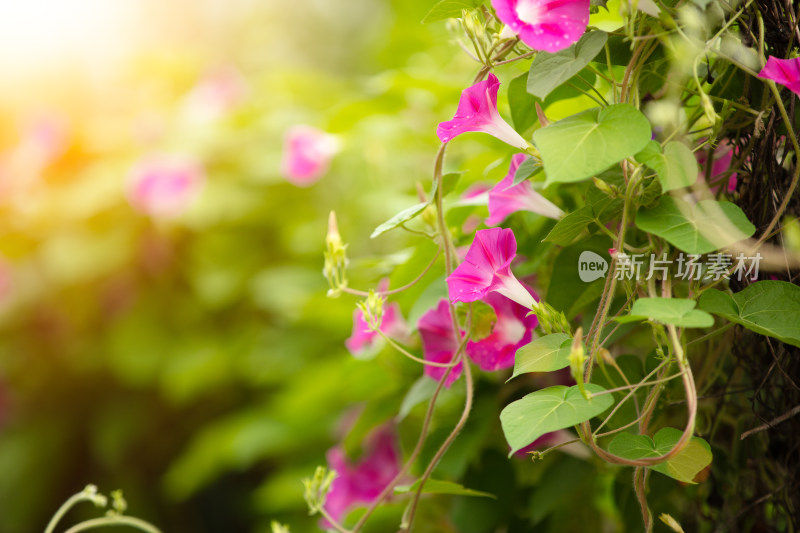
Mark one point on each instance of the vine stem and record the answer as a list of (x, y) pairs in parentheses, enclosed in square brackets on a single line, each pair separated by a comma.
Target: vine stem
[(444, 447), (411, 356), (66, 506), (413, 457), (114, 521), (408, 285)]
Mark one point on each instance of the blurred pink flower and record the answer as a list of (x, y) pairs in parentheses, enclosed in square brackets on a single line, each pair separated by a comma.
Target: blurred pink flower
[(216, 94), (363, 338), (487, 268), (783, 71), (439, 343), (549, 25), (506, 198), (723, 157), (361, 482), (477, 111), (164, 186), (307, 154), (512, 331)]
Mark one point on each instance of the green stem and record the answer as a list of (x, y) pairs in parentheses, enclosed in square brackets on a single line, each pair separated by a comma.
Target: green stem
[(118, 520)]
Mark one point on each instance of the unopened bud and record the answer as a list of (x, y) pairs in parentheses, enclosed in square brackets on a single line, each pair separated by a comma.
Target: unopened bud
[(372, 309), (335, 258), (472, 24), (317, 487), (670, 522), (333, 240)]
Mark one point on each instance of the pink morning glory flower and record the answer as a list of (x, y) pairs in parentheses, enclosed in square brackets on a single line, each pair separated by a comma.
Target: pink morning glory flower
[(363, 339), (506, 198), (549, 25), (361, 482), (307, 154), (487, 268), (477, 111), (512, 331), (439, 342), (216, 94), (723, 157), (783, 71), (164, 186)]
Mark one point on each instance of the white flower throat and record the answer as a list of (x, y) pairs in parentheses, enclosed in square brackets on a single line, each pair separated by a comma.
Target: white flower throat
[(529, 11)]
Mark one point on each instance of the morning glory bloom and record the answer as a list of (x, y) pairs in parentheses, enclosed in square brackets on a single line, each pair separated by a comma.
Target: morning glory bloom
[(164, 186), (512, 331), (361, 482), (506, 198), (477, 111), (439, 343), (487, 268), (783, 71), (363, 339), (549, 25), (307, 154), (723, 157)]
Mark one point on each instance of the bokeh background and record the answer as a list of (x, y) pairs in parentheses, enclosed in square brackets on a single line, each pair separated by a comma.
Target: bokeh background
[(193, 360)]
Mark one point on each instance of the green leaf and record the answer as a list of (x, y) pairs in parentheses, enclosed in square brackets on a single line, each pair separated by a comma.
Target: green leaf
[(679, 312), (439, 486), (676, 166), (421, 391), (569, 227), (449, 9), (697, 229), (770, 308), (548, 71), (400, 218), (448, 183), (683, 467), (543, 354), (522, 104), (484, 318), (586, 144), (526, 170), (550, 409)]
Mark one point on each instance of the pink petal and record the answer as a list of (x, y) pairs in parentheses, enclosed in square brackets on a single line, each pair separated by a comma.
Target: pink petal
[(307, 153), (439, 343), (477, 111), (164, 186), (512, 330), (783, 71), (490, 254), (506, 198), (362, 482), (549, 25), (723, 158), (362, 338)]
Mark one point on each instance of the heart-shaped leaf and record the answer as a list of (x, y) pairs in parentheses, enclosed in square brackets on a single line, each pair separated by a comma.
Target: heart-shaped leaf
[(586, 144), (676, 166), (449, 9), (550, 409), (439, 486), (679, 312), (544, 354), (683, 467), (548, 71), (770, 308), (697, 229)]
